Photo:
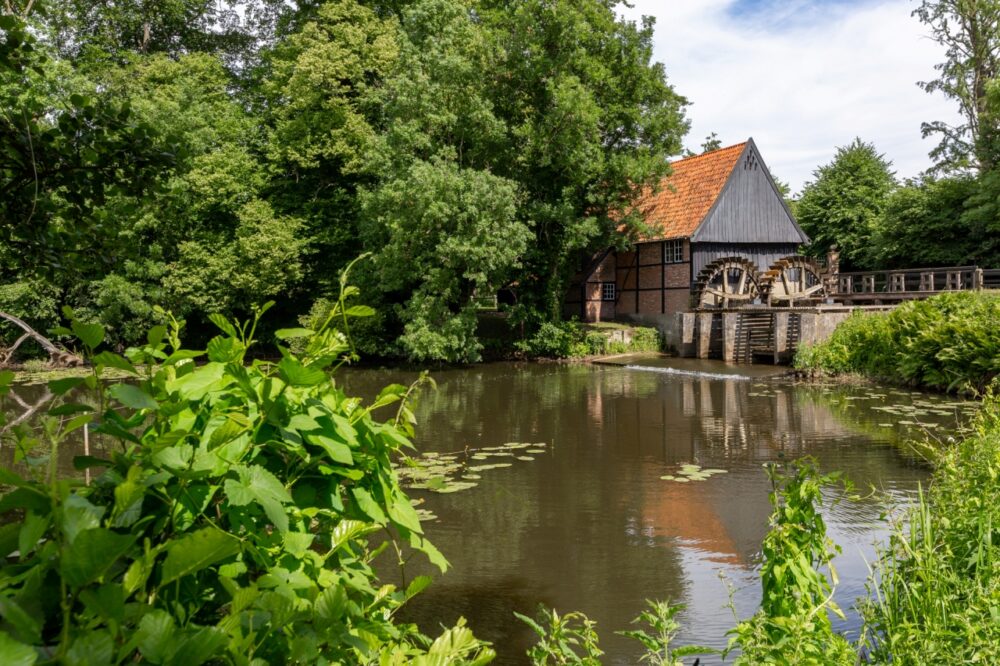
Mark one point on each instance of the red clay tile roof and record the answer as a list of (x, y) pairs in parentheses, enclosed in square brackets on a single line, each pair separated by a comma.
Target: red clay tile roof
[(686, 195)]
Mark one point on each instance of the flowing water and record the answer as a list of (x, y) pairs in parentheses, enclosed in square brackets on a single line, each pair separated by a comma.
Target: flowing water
[(582, 520), (590, 525)]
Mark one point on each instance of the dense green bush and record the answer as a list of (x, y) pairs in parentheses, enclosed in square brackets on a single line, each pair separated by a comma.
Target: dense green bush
[(573, 340), (235, 520), (948, 342)]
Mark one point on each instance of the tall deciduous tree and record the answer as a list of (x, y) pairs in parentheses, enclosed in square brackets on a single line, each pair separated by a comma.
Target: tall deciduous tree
[(969, 30), (592, 121), (843, 205)]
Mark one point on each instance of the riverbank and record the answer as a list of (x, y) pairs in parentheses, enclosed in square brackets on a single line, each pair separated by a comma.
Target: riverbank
[(946, 343)]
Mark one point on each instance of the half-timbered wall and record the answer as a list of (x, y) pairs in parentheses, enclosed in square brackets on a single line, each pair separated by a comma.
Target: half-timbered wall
[(586, 300), (649, 285)]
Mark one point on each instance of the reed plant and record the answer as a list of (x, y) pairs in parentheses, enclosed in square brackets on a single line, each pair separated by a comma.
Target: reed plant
[(935, 592)]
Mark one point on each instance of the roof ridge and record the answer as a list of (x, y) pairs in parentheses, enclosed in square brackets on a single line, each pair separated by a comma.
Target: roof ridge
[(711, 153)]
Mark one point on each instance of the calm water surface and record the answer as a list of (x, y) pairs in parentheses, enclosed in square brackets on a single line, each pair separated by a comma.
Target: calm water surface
[(589, 525)]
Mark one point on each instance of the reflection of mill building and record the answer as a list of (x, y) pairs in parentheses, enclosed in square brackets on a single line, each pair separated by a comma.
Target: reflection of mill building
[(713, 206)]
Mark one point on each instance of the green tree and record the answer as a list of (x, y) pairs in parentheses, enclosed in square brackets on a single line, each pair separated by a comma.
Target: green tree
[(592, 120), (844, 204), (969, 30), (924, 223)]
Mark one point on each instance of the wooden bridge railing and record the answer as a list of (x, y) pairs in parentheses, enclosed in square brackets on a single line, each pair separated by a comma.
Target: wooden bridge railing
[(915, 281)]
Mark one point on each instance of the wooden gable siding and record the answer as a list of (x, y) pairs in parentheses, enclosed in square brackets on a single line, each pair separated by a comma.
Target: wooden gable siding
[(749, 208)]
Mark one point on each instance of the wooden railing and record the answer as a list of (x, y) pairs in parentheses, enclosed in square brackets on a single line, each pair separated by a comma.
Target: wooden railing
[(914, 282)]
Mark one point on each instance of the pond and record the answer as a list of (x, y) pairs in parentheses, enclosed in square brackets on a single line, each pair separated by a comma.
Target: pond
[(585, 522), (577, 515)]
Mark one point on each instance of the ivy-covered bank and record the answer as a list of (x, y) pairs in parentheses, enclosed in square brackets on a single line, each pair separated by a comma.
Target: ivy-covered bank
[(950, 342)]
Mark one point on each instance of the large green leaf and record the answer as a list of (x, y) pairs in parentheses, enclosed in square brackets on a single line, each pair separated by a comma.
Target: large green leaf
[(258, 485), (296, 374), (112, 360), (78, 514), (94, 648), (331, 604), (198, 646), (193, 552), (89, 334), (16, 653), (132, 396), (368, 505), (91, 554), (155, 636), (195, 385)]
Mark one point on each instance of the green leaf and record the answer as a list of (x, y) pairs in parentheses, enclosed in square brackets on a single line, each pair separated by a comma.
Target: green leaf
[(155, 636), (225, 350), (32, 529), (69, 408), (91, 554), (111, 360), (196, 551), (90, 335), (195, 385), (27, 627), (8, 539), (78, 514), (296, 374), (360, 311), (338, 451), (292, 333), (223, 324), (297, 543), (401, 511), (16, 653), (331, 604), (156, 334), (64, 385), (347, 531), (132, 396), (106, 601), (368, 505), (418, 585), (94, 648), (197, 647), (258, 485)]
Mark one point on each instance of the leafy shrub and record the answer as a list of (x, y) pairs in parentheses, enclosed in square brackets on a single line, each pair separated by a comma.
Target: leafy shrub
[(949, 342), (553, 340), (235, 521), (645, 340), (570, 638)]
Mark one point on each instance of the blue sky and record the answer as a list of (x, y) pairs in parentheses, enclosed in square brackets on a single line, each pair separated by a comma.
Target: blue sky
[(802, 76)]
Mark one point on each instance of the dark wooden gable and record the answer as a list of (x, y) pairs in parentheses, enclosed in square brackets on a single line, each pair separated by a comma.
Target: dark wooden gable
[(749, 209)]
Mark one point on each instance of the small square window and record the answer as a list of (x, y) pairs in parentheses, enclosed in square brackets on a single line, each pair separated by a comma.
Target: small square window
[(607, 291), (673, 252)]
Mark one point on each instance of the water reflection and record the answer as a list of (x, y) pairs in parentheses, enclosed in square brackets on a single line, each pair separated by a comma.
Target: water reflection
[(591, 525)]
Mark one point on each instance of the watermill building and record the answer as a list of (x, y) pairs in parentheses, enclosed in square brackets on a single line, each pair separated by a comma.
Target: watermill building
[(714, 224)]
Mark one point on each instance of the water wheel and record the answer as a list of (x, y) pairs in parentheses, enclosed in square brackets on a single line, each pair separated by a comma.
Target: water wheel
[(727, 282), (792, 279)]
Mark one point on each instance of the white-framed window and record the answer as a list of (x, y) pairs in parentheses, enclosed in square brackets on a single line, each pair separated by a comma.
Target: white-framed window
[(607, 291), (673, 252)]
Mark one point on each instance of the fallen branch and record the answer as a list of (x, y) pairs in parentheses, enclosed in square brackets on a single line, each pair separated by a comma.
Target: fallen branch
[(58, 357)]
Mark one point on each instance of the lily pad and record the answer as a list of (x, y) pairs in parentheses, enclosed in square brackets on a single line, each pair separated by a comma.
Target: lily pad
[(525, 458)]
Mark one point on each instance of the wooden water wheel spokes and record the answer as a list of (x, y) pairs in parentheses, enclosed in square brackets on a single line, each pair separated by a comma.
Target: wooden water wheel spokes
[(793, 279), (726, 282)]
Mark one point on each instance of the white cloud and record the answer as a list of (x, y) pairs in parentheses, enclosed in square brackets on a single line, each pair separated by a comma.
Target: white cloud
[(802, 82)]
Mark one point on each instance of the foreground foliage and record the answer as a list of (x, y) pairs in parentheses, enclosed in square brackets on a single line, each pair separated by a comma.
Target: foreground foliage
[(934, 597), (236, 519), (948, 342)]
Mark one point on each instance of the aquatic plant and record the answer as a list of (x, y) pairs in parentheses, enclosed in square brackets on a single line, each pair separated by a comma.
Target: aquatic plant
[(793, 624)]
